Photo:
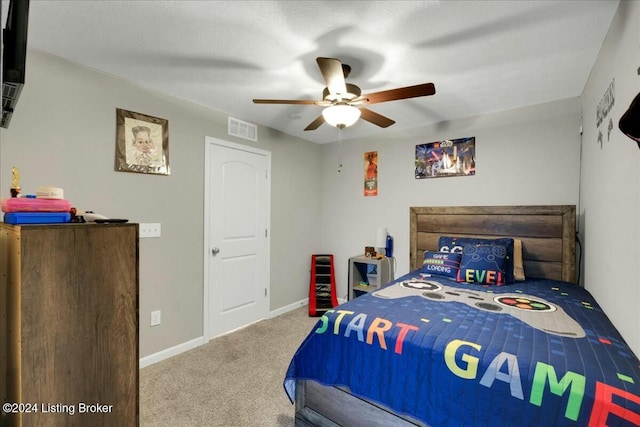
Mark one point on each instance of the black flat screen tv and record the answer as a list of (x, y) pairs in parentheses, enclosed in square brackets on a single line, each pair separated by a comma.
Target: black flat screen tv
[(14, 57)]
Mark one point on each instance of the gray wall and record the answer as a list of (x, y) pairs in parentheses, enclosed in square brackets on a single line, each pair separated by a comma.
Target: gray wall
[(63, 134), (611, 180), (525, 156)]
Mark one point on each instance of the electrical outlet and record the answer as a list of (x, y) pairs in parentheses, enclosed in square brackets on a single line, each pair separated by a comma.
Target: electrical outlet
[(155, 318), (150, 230)]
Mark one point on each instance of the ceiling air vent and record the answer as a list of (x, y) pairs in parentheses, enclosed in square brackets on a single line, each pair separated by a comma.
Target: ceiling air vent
[(243, 129)]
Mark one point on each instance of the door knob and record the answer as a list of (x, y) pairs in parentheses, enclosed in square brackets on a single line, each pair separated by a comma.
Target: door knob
[(215, 251)]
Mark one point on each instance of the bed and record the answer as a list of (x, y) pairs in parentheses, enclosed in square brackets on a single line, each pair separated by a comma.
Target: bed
[(436, 350)]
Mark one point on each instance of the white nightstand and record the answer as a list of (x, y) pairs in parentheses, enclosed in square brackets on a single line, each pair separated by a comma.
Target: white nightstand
[(368, 274)]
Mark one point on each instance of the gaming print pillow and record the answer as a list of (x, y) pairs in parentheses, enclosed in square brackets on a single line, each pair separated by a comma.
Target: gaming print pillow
[(456, 245), (441, 264), (483, 264)]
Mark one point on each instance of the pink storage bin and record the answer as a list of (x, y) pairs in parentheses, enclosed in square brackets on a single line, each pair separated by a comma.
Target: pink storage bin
[(27, 204)]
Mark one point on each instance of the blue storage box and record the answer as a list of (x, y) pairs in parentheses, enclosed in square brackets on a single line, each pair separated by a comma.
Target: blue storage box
[(36, 217)]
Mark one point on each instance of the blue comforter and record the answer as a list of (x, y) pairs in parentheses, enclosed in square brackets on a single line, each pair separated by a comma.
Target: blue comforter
[(534, 353)]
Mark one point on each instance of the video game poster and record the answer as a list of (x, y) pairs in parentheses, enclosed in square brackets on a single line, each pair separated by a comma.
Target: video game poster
[(452, 157)]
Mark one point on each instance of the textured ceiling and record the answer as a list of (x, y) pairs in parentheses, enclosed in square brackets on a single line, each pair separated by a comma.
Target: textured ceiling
[(482, 56)]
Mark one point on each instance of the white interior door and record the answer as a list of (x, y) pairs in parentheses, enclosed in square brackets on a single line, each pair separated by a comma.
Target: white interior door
[(236, 244)]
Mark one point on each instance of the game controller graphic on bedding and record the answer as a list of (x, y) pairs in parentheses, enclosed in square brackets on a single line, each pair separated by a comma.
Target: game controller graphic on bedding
[(533, 311)]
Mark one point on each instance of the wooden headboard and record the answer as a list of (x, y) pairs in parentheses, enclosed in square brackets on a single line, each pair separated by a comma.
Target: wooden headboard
[(547, 233)]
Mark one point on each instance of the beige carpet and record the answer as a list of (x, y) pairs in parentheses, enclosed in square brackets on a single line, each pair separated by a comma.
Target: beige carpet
[(234, 380)]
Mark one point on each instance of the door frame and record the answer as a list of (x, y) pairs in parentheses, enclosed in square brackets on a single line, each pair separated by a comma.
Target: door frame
[(209, 141)]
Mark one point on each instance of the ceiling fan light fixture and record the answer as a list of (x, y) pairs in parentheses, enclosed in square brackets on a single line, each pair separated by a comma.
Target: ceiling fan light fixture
[(341, 116)]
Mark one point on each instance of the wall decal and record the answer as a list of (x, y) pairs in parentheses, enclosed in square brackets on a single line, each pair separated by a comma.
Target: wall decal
[(600, 138), (604, 108), (455, 157), (606, 103)]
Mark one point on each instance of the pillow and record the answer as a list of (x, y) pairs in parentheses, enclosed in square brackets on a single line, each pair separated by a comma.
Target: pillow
[(441, 263), (456, 245), (518, 266), (484, 264)]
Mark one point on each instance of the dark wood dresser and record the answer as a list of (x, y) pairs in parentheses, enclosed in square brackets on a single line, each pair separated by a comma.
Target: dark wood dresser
[(69, 325)]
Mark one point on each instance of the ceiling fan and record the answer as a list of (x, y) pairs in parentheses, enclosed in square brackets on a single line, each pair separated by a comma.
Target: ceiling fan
[(344, 101)]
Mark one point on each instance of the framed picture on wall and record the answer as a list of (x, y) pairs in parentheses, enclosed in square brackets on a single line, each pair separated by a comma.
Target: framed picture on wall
[(142, 143), (453, 157), (371, 173)]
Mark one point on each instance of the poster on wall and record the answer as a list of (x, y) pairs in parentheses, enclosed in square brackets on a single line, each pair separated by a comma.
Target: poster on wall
[(451, 157), (371, 173)]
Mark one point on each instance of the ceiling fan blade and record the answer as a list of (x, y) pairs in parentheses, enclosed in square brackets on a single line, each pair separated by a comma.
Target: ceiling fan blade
[(375, 118), (333, 74), (425, 89), (358, 101), (316, 123), (285, 101)]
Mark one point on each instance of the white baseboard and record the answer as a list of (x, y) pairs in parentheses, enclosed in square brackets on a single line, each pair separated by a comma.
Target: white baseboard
[(288, 308), (197, 342), (170, 352)]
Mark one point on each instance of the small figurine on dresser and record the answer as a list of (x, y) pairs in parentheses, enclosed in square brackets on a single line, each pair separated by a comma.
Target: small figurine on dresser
[(15, 182)]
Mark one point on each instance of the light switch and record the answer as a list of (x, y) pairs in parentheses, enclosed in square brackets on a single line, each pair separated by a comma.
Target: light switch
[(155, 318)]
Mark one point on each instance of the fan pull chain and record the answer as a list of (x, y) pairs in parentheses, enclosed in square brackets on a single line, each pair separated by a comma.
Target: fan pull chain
[(340, 149)]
